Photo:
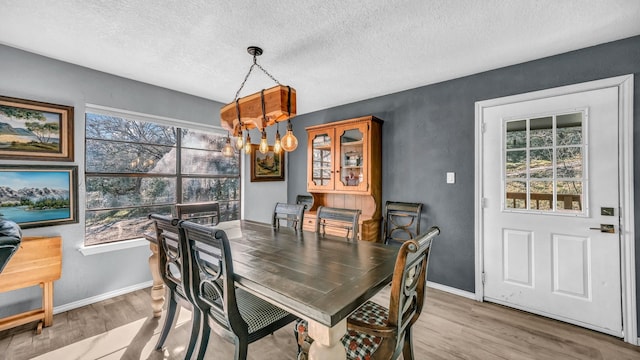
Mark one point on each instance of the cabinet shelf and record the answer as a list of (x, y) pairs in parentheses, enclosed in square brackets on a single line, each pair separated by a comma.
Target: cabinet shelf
[(352, 143)]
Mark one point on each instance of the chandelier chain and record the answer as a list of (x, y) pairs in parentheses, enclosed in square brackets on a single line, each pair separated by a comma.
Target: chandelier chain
[(255, 63)]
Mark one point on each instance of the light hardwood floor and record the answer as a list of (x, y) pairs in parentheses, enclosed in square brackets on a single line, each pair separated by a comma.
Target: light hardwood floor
[(452, 327)]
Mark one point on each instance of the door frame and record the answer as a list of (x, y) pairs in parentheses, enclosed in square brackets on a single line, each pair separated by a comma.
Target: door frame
[(625, 179)]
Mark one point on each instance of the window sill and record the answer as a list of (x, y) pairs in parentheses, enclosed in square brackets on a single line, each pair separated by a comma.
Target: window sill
[(116, 246)]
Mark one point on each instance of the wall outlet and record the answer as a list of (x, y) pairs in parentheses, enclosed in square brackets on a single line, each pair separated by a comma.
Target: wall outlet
[(451, 178)]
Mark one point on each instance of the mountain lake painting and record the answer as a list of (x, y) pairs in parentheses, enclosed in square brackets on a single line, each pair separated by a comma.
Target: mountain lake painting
[(38, 196), (35, 131)]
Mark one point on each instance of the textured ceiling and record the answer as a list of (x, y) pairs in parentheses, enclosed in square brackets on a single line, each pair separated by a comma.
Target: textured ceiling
[(332, 52)]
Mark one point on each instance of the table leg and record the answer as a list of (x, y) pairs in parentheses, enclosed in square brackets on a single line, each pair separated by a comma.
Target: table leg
[(47, 302), (326, 341), (157, 290)]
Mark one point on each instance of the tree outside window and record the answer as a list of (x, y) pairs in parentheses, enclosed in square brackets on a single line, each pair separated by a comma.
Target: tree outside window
[(134, 168)]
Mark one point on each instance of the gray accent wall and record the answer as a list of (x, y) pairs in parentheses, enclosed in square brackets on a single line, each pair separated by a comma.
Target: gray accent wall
[(429, 131)]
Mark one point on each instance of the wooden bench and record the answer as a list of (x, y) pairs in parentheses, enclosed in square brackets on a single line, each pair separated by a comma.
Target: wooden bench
[(38, 261)]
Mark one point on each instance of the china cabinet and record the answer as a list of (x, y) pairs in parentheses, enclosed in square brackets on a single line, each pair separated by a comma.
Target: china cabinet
[(344, 161)]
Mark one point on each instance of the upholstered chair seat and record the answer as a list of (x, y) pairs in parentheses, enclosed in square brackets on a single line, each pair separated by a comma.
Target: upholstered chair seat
[(358, 345)]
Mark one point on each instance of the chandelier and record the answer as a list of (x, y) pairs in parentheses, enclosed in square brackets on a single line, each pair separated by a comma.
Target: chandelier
[(259, 110)]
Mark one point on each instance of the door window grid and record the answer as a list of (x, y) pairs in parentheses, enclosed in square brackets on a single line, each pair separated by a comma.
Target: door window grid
[(544, 159)]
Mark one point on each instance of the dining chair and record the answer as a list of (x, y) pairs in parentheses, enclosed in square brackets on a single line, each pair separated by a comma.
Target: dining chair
[(306, 200), (379, 332), (346, 219), (234, 314), (292, 214), (171, 259), (401, 221), (206, 213)]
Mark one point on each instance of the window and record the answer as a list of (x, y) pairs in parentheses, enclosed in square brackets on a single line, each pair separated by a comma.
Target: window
[(544, 162), (135, 166)]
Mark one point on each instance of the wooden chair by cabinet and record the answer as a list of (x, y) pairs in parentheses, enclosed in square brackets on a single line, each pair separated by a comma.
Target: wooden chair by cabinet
[(385, 333), (346, 219), (206, 213), (306, 200), (170, 261), (401, 221), (234, 314), (291, 214)]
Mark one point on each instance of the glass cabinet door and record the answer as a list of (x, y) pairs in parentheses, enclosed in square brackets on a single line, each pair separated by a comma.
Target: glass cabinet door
[(321, 160), (352, 158)]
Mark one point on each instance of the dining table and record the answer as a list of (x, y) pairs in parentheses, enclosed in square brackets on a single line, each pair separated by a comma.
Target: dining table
[(319, 278)]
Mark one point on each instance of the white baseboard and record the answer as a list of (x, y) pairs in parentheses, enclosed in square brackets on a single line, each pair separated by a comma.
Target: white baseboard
[(452, 290), (97, 298)]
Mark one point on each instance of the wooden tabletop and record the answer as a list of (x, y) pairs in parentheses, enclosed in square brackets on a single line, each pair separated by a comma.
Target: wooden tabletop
[(321, 279)]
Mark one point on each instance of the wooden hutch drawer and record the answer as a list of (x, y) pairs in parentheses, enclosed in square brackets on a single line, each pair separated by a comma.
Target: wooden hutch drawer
[(309, 223)]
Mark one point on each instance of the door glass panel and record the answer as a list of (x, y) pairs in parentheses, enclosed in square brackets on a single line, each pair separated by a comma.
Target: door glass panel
[(544, 164), (516, 195), (541, 163), (541, 195), (569, 196), (351, 157), (569, 162), (321, 155), (569, 129), (516, 166), (516, 134), (541, 132)]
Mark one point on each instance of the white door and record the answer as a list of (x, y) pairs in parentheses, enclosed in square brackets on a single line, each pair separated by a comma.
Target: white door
[(550, 183)]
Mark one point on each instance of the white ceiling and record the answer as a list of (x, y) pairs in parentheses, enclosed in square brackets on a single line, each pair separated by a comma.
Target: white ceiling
[(332, 52)]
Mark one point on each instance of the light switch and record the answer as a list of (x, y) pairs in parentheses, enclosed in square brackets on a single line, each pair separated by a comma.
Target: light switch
[(451, 178)]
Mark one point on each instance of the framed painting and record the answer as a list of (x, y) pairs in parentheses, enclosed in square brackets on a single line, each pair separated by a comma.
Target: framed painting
[(32, 130), (35, 196), (268, 166)]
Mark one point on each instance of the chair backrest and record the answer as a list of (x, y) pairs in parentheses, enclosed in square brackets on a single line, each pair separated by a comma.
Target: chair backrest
[(292, 214), (170, 254), (346, 219), (408, 284), (306, 200), (401, 221), (209, 278), (202, 213)]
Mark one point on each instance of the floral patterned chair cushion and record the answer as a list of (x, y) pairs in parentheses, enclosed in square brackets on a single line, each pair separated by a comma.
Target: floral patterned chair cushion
[(358, 346)]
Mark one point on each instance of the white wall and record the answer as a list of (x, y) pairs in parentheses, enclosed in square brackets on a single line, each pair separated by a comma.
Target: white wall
[(259, 198)]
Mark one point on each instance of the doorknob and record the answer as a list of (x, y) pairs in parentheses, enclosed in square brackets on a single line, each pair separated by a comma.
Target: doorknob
[(605, 228)]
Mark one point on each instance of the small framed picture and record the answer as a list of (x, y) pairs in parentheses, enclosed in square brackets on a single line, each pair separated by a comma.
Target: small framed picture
[(268, 166), (35, 196), (32, 130)]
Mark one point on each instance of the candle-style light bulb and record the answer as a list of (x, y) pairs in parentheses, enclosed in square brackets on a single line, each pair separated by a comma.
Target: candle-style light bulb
[(264, 146), (239, 143), (247, 144), (277, 146), (228, 150)]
